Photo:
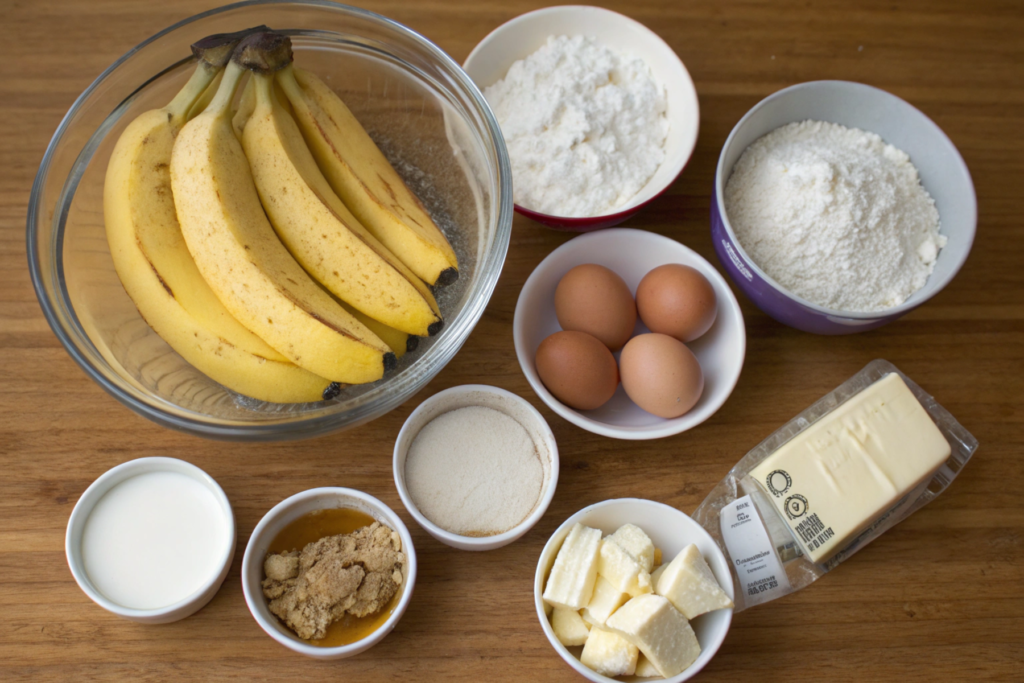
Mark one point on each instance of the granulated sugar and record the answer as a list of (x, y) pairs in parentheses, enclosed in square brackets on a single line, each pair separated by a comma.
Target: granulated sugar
[(834, 215), (474, 471)]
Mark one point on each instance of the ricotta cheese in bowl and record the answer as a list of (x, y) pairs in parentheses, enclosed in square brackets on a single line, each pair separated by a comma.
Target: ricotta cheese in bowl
[(585, 126), (599, 114)]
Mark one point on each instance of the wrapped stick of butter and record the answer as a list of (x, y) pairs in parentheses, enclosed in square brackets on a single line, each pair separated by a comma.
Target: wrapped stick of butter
[(831, 480)]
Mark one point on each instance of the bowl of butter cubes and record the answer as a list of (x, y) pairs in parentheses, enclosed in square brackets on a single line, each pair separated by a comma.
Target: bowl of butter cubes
[(633, 590)]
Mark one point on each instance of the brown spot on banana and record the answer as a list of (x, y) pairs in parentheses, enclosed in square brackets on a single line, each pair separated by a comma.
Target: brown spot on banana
[(316, 316), (387, 185), (157, 273)]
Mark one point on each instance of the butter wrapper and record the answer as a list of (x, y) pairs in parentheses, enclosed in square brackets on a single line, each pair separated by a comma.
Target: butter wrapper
[(838, 475)]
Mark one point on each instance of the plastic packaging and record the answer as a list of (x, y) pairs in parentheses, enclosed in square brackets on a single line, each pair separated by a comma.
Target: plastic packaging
[(768, 559)]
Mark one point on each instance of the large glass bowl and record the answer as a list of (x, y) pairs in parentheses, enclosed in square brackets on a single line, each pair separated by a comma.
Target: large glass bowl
[(425, 113)]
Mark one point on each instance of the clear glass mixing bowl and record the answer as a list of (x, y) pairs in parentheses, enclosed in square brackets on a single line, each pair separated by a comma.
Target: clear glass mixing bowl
[(426, 114)]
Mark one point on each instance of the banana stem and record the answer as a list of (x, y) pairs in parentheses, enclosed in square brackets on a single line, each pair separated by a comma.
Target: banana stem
[(264, 87), (193, 90), (217, 49), (221, 104), (291, 88), (213, 53), (205, 98), (264, 52)]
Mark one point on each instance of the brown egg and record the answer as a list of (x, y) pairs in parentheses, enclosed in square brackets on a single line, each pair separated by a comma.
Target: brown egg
[(578, 369), (678, 301), (592, 299), (661, 375)]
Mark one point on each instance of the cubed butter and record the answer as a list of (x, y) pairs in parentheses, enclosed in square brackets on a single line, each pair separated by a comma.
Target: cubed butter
[(644, 668), (634, 541), (660, 631), (606, 599), (643, 585), (569, 627), (838, 476), (656, 574), (690, 586), (571, 581), (622, 571), (609, 654)]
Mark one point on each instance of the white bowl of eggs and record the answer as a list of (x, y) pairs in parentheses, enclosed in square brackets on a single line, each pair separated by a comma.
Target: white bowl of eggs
[(636, 306)]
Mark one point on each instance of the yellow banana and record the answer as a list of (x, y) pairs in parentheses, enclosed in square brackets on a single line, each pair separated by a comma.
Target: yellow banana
[(321, 233), (399, 342), (247, 105), (364, 179), (242, 259), (158, 272)]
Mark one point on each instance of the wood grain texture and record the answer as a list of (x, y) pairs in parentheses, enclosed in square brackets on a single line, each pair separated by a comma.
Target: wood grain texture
[(937, 598)]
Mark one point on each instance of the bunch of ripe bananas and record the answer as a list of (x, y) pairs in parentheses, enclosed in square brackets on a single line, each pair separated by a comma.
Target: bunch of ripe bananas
[(272, 246)]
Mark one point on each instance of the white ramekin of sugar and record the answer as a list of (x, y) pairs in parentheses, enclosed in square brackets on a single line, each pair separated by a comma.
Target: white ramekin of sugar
[(476, 466)]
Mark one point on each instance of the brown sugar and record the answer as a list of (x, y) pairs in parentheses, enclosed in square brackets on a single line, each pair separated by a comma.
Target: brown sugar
[(342, 577)]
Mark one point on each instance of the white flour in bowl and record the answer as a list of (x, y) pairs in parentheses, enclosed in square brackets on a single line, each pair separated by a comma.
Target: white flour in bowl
[(585, 127), (834, 215)]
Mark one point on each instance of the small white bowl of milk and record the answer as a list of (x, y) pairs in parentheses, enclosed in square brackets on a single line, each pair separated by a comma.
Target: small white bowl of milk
[(151, 540)]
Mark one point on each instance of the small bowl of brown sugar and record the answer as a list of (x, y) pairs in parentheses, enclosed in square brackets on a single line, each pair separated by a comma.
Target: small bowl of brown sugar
[(476, 466), (329, 572)]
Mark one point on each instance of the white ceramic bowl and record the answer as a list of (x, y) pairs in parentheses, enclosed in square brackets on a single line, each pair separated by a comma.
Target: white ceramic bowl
[(631, 254), (99, 488), (514, 40), (286, 512), (671, 530), (490, 397)]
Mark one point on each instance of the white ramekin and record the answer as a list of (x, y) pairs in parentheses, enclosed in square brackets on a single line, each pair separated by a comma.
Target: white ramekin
[(99, 488), (490, 397), (286, 512)]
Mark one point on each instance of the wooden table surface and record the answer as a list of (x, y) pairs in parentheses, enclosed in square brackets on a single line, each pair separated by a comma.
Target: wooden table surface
[(937, 598)]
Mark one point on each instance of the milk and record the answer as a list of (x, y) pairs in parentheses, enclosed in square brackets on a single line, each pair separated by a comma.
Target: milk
[(154, 539)]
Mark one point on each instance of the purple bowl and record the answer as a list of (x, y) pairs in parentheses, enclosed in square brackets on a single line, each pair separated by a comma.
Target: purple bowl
[(942, 170)]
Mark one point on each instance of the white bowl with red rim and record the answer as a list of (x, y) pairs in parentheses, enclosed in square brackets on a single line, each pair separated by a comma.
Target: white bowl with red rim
[(514, 40)]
